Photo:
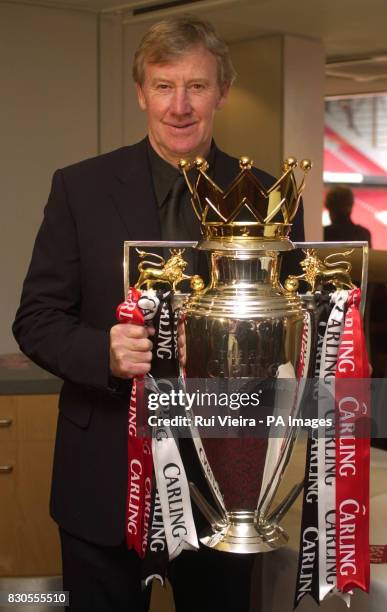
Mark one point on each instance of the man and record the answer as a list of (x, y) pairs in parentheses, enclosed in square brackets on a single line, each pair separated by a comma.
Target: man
[(66, 321), (339, 202)]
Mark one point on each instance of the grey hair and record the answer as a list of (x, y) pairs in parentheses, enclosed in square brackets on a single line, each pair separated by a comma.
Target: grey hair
[(173, 37)]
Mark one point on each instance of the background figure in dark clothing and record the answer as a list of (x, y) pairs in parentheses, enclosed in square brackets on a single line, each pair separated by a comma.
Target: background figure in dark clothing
[(339, 202)]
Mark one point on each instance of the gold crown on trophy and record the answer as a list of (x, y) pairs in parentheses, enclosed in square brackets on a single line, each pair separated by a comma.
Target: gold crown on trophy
[(246, 209)]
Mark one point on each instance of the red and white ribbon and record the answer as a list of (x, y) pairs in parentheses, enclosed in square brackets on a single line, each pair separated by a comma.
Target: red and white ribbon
[(140, 465), (327, 447), (352, 396)]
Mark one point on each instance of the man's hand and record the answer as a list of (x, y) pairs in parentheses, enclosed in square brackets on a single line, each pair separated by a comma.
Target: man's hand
[(130, 350)]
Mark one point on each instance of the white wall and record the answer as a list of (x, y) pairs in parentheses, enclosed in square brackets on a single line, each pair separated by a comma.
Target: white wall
[(48, 119), (122, 121), (251, 122), (303, 120)]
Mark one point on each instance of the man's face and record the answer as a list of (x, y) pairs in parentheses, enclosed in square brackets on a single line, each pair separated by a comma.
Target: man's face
[(180, 98)]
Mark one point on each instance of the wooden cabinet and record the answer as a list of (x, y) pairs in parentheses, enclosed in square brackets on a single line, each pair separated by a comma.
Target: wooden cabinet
[(29, 542)]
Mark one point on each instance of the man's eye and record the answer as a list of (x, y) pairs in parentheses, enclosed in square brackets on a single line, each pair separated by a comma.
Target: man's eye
[(163, 86), (197, 86)]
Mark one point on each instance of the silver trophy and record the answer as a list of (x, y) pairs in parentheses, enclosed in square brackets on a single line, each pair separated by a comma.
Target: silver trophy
[(244, 324)]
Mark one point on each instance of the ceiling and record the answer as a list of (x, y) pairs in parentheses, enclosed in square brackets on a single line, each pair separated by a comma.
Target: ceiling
[(348, 28)]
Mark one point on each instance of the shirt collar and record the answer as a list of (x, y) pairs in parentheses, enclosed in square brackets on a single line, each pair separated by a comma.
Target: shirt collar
[(164, 174)]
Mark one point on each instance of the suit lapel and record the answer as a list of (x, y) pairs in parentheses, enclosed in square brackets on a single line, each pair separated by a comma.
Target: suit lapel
[(133, 194)]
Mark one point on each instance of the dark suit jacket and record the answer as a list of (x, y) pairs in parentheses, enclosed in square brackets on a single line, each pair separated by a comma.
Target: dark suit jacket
[(346, 230), (70, 294)]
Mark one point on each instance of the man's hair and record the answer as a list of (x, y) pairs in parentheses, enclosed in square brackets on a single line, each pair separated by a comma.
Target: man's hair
[(172, 38), (339, 201)]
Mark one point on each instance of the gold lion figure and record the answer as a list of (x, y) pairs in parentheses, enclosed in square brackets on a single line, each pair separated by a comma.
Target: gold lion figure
[(318, 272), (170, 271)]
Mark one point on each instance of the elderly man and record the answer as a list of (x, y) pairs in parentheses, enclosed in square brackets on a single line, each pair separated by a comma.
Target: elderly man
[(65, 322)]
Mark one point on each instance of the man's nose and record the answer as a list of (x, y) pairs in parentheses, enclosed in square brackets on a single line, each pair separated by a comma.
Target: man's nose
[(180, 103)]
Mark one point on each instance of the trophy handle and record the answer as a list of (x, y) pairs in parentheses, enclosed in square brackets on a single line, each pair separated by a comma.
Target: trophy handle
[(276, 479), (279, 512), (352, 244), (129, 245), (206, 509)]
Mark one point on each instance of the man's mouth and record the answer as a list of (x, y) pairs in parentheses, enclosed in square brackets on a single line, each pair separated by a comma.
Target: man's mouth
[(181, 127)]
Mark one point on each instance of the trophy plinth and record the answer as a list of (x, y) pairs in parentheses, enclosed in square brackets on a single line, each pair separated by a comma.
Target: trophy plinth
[(245, 533)]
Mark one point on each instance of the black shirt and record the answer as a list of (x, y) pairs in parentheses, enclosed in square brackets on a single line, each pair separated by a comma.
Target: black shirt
[(184, 225), (346, 231)]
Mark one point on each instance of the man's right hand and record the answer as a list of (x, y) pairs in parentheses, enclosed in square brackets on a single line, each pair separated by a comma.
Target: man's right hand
[(130, 350)]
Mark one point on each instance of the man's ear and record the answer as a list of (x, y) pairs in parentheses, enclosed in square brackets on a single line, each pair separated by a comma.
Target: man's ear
[(141, 97), (223, 95)]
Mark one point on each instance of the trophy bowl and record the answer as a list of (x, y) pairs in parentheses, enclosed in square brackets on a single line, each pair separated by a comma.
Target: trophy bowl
[(245, 327)]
